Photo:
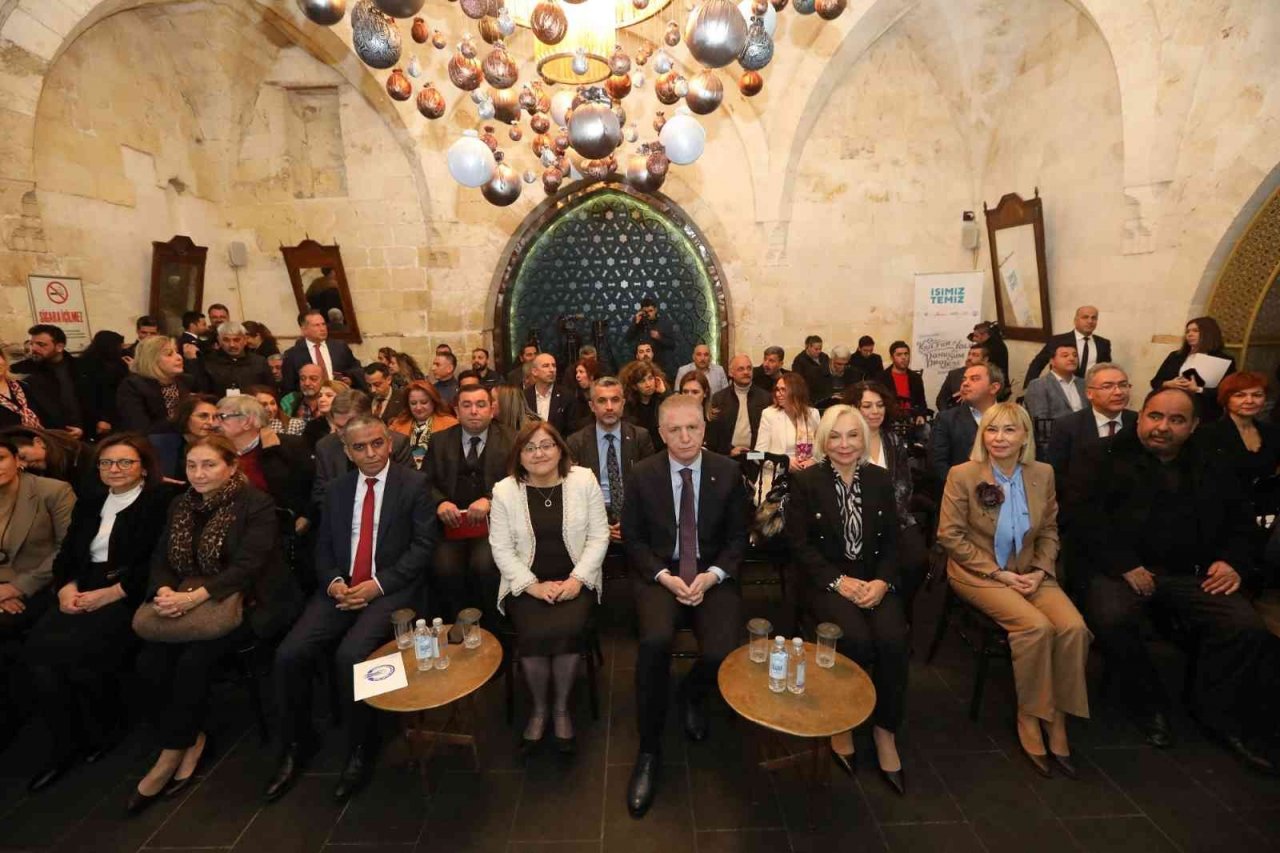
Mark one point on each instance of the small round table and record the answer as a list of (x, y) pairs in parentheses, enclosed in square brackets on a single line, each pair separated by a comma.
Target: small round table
[(469, 670)]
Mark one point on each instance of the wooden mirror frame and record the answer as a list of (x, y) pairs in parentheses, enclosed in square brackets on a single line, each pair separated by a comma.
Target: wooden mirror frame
[(311, 255), (1013, 212), (182, 251)]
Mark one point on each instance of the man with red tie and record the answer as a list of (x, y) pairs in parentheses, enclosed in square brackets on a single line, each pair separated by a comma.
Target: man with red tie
[(377, 533), (684, 526), (314, 347)]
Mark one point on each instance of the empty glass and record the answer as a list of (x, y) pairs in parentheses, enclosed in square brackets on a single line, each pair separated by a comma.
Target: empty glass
[(469, 619), (402, 619), (758, 637), (827, 636)]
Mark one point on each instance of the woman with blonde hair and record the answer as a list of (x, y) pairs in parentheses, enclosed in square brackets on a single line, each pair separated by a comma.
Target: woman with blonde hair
[(424, 415), (513, 412), (999, 526), (148, 397)]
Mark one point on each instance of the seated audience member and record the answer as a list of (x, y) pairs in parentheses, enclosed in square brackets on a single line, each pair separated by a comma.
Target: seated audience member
[(905, 383), (54, 455), (765, 376), (314, 347), (280, 466), (484, 371), (443, 367), (644, 353), (610, 447), (516, 375), (218, 314), (550, 401), (951, 439), (866, 360), (385, 402), (1243, 444), (276, 363), (788, 427), (321, 423), (1090, 349), (230, 367), (75, 652), (277, 418), (374, 545), (1107, 388), (510, 408), (462, 464), (640, 387), (949, 393), (387, 358), (331, 460), (34, 516), (148, 398), (988, 332), (424, 415), (842, 375), (684, 527), (695, 385), (54, 380), (815, 366), (549, 533), (217, 580), (655, 330), (198, 418), (302, 404), (194, 341), (584, 374), (999, 526), (1162, 522), (842, 522), (716, 377), (1202, 337), (260, 340), (1059, 392), (102, 369), (16, 406), (886, 449), (144, 327), (734, 414)]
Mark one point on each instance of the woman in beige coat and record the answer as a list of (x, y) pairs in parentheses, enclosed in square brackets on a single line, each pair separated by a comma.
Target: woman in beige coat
[(999, 526)]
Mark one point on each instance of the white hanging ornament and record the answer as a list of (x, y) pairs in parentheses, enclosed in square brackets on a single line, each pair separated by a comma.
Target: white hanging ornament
[(486, 109), (548, 157), (414, 68), (637, 79), (507, 26), (561, 103), (580, 61), (662, 62), (683, 138), (471, 163)]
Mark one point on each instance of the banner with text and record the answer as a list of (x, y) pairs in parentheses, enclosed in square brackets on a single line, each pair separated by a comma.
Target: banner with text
[(948, 305), (60, 301)]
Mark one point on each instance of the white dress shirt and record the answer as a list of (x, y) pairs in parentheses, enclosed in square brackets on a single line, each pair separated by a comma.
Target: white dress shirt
[(327, 363), (543, 402), (1102, 420), (1069, 390), (112, 507), (677, 491), (379, 488)]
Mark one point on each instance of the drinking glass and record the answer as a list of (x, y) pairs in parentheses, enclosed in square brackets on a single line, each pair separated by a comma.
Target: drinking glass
[(826, 652), (758, 633), (469, 619), (402, 620)]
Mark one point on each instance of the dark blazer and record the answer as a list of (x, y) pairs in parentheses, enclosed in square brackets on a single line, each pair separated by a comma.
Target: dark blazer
[(344, 361), (9, 418), (331, 462), (816, 531), (764, 381), (43, 392), (407, 530), (871, 366), (1221, 441), (101, 382), (1099, 351), (950, 388), (951, 440), (133, 538), (1207, 403), (636, 445), (252, 563), (216, 371), (817, 375), (141, 404), (915, 384), (649, 530), (445, 458), (395, 406), (561, 406), (289, 469), (1073, 435), (724, 416)]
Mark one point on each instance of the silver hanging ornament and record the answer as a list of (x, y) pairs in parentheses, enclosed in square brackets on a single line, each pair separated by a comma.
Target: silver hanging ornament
[(594, 130), (579, 63), (326, 13), (506, 25), (805, 7), (486, 110), (400, 8), (715, 33), (503, 188), (631, 133), (530, 176), (374, 36), (705, 93), (662, 62), (758, 51), (638, 174)]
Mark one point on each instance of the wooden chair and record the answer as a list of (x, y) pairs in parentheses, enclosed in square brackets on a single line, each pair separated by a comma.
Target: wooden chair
[(980, 633)]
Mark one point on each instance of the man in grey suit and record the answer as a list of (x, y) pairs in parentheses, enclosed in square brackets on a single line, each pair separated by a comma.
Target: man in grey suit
[(610, 447), (1059, 392), (951, 440)]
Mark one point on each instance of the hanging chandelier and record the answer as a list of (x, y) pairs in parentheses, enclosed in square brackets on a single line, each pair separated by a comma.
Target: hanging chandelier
[(575, 105)]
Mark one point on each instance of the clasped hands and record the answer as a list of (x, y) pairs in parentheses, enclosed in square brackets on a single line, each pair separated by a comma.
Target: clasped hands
[(353, 597), (11, 600), (1026, 584), (72, 600), (1221, 579), (555, 591), (449, 513), (174, 604), (688, 594), (865, 594)]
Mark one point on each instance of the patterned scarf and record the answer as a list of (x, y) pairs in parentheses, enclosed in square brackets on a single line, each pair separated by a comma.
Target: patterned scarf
[(171, 394), (16, 402), (203, 558)]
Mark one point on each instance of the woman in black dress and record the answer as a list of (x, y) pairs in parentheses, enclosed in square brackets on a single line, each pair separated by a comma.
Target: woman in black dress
[(1242, 442), (549, 533), (1202, 336)]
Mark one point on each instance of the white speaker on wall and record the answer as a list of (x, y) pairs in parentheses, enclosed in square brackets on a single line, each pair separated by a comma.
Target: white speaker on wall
[(970, 233), (238, 254)]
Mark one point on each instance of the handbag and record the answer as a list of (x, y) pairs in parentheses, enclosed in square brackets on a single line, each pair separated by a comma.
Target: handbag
[(207, 621), (770, 514)]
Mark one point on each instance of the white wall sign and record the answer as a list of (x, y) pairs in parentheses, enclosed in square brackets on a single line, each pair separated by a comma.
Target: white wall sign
[(60, 302), (948, 305)]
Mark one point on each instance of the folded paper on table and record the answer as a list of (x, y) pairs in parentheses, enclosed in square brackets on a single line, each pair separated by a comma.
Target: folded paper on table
[(380, 675), (1210, 368)]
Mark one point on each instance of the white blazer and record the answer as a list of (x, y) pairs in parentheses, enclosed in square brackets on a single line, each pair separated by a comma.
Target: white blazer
[(778, 434), (586, 532)]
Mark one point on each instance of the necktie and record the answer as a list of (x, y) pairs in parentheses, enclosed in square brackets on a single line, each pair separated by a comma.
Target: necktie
[(613, 472), (362, 567), (688, 528), (473, 455), (324, 368), (1111, 428), (1084, 358)]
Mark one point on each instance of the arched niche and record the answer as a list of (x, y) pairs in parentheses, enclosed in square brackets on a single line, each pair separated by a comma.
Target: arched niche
[(1245, 300)]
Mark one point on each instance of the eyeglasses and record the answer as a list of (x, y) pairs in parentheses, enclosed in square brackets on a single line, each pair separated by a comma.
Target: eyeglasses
[(229, 416), (1111, 386), (122, 464), (545, 447)]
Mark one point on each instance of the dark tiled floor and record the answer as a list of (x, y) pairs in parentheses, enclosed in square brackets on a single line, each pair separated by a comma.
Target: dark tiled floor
[(969, 788)]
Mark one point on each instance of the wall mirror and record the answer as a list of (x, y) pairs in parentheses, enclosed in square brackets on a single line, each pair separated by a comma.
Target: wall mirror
[(1015, 228), (177, 282), (320, 282)]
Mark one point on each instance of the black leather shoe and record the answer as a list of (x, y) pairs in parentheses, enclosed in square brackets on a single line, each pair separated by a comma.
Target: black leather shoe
[(140, 802), (1249, 756), (1156, 729), (52, 773), (97, 753), (897, 780), (847, 763), (1064, 764), (288, 770), (1039, 762), (353, 776), (695, 721), (177, 786), (643, 784)]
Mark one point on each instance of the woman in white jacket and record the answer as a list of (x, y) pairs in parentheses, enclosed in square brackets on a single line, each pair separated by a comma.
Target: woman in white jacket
[(549, 533), (788, 426)]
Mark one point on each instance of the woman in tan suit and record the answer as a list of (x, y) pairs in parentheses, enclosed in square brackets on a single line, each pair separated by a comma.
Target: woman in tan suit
[(999, 526)]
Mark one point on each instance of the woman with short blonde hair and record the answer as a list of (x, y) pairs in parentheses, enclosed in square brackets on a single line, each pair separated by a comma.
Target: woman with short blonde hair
[(148, 398)]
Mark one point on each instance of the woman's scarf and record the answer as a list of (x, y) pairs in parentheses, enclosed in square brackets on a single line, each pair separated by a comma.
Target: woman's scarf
[(203, 558)]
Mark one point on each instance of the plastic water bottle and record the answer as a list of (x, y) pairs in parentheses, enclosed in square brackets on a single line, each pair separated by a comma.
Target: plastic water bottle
[(422, 645), (441, 637), (778, 659), (795, 672)]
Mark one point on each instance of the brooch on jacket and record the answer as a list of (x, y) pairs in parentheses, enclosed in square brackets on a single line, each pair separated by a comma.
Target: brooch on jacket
[(990, 495)]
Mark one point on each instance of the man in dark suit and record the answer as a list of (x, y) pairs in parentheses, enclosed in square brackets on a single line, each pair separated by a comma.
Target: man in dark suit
[(331, 460), (515, 376), (951, 440), (386, 403), (949, 393), (144, 327), (684, 527), (1161, 524), (766, 375), (904, 383), (1090, 348), (815, 366), (314, 347), (229, 366), (610, 447), (54, 380), (1107, 388), (194, 340), (866, 359), (735, 411), (373, 546), (551, 402), (463, 462)]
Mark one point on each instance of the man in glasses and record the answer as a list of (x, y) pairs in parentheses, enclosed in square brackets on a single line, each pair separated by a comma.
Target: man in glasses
[(1107, 388)]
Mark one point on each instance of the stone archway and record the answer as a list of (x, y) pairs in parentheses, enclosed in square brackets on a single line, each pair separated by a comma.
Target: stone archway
[(595, 251), (1245, 300)]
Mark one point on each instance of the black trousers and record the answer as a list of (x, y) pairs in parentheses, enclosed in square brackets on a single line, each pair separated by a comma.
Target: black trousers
[(357, 633), (464, 575), (1232, 640), (716, 622), (876, 640), (177, 678), (13, 674), (913, 563)]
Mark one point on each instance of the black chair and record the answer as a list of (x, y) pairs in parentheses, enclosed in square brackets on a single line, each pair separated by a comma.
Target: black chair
[(592, 657), (988, 641)]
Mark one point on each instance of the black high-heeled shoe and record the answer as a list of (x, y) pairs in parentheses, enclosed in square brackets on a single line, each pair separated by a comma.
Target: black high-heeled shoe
[(140, 802), (1065, 764), (847, 763), (1039, 762), (528, 744), (177, 786), (897, 780), (567, 745)]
